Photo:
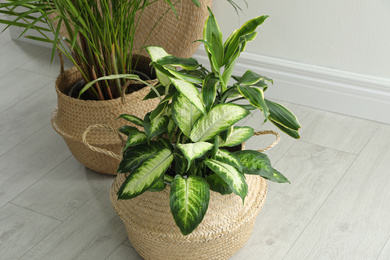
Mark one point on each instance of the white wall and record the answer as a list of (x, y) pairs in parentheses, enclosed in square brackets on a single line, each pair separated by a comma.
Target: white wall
[(348, 35), (332, 55)]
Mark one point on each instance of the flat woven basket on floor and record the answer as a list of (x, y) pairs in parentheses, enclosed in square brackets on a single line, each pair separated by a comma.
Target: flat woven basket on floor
[(225, 229), (73, 116)]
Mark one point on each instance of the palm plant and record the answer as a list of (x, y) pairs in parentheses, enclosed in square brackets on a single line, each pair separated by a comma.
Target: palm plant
[(187, 139), (100, 35)]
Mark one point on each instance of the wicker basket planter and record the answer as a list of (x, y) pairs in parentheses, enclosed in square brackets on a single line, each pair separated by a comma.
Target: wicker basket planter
[(225, 229), (73, 116)]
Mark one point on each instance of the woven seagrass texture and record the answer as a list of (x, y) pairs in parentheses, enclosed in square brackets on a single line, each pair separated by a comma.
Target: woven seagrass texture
[(73, 116), (175, 34), (224, 230)]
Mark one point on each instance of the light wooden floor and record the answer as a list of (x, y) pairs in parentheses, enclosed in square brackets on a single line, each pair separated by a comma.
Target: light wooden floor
[(51, 207)]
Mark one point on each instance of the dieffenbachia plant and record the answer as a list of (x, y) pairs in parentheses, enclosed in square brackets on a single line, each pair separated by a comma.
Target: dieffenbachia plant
[(186, 139)]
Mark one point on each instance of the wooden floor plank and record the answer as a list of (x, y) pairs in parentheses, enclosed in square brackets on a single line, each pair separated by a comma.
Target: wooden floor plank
[(21, 229), (340, 132), (71, 182), (92, 232), (123, 253), (385, 254), (313, 171), (15, 54), (21, 121), (354, 221), (17, 85), (32, 159)]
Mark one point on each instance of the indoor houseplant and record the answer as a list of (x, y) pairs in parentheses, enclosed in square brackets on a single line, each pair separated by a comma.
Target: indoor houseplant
[(98, 37), (190, 155)]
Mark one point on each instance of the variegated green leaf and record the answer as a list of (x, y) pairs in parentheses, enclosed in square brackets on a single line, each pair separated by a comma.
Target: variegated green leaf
[(185, 63), (189, 91), (255, 163), (232, 43), (229, 158), (251, 78), (126, 129), (185, 76), (282, 115), (194, 150), (255, 96), (136, 155), (135, 120), (230, 175), (171, 128), (135, 137), (189, 200), (290, 132), (158, 186), (156, 126), (156, 53), (218, 185), (278, 177), (217, 120), (180, 164), (146, 174), (184, 114), (239, 135), (209, 90)]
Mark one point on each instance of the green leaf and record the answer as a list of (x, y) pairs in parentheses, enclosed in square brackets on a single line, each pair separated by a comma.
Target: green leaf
[(126, 129), (156, 126), (184, 113), (292, 133), (185, 63), (230, 175), (278, 177), (251, 78), (218, 185), (229, 158), (255, 163), (158, 186), (135, 120), (180, 164), (232, 44), (159, 110), (211, 27), (185, 76), (152, 94), (217, 120), (136, 155), (146, 174), (194, 150), (171, 128), (135, 137), (229, 68), (110, 77), (255, 96), (189, 91), (239, 135), (189, 200), (156, 53), (209, 90), (282, 115)]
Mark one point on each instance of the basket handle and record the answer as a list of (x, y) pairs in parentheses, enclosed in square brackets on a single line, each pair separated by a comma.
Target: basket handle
[(101, 150), (266, 132)]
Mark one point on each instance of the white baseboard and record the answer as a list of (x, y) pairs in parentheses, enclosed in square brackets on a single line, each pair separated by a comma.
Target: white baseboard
[(319, 87)]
